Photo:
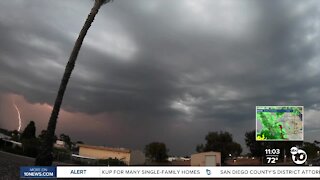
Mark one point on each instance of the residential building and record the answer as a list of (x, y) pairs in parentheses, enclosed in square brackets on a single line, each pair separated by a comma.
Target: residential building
[(206, 159), (129, 157)]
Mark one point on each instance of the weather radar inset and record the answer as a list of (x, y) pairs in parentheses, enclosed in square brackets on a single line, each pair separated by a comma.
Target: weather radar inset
[(279, 123)]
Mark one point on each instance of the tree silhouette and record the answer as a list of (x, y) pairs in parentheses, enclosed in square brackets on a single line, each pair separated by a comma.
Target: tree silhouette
[(45, 157), (221, 142), (42, 135), (156, 151), (256, 147), (30, 131), (29, 141), (65, 138)]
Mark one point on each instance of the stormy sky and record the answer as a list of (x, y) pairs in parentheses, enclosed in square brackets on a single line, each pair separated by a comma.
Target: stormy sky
[(159, 70)]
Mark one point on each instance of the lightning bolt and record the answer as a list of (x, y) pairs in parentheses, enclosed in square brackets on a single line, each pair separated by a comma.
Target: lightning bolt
[(19, 116)]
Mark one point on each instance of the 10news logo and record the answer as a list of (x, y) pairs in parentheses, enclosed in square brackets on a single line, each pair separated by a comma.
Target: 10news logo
[(298, 156)]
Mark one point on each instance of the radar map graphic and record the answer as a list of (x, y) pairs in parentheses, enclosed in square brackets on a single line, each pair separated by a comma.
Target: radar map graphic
[(279, 123)]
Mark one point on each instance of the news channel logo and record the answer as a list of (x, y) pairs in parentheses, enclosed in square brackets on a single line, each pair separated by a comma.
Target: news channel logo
[(299, 156), (38, 172)]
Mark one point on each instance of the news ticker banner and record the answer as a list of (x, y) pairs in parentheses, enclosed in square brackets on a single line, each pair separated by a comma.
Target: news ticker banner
[(170, 172)]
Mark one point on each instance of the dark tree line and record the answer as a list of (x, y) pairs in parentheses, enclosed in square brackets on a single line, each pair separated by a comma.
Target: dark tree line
[(221, 142), (156, 152), (31, 144)]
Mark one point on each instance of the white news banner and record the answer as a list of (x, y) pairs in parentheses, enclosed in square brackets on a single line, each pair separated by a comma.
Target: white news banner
[(188, 172)]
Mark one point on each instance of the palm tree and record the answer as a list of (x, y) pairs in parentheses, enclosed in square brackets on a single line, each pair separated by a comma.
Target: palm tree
[(45, 157)]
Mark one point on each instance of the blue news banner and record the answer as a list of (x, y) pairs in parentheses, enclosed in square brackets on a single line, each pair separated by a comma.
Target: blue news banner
[(38, 172)]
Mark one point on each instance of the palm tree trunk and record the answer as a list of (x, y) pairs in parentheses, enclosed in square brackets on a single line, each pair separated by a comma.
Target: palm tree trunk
[(45, 156)]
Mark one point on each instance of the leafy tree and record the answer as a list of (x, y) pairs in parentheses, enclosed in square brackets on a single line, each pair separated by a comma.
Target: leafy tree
[(45, 157), (221, 142), (61, 154), (156, 151), (65, 138), (30, 143), (42, 136), (30, 147), (235, 149), (200, 148), (30, 131), (256, 147)]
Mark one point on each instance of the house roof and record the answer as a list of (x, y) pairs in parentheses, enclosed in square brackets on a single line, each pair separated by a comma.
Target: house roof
[(83, 157), (105, 148), (207, 153), (3, 136), (13, 142)]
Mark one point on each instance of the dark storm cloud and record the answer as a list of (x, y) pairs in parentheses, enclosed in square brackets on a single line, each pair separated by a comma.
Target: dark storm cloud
[(181, 67)]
